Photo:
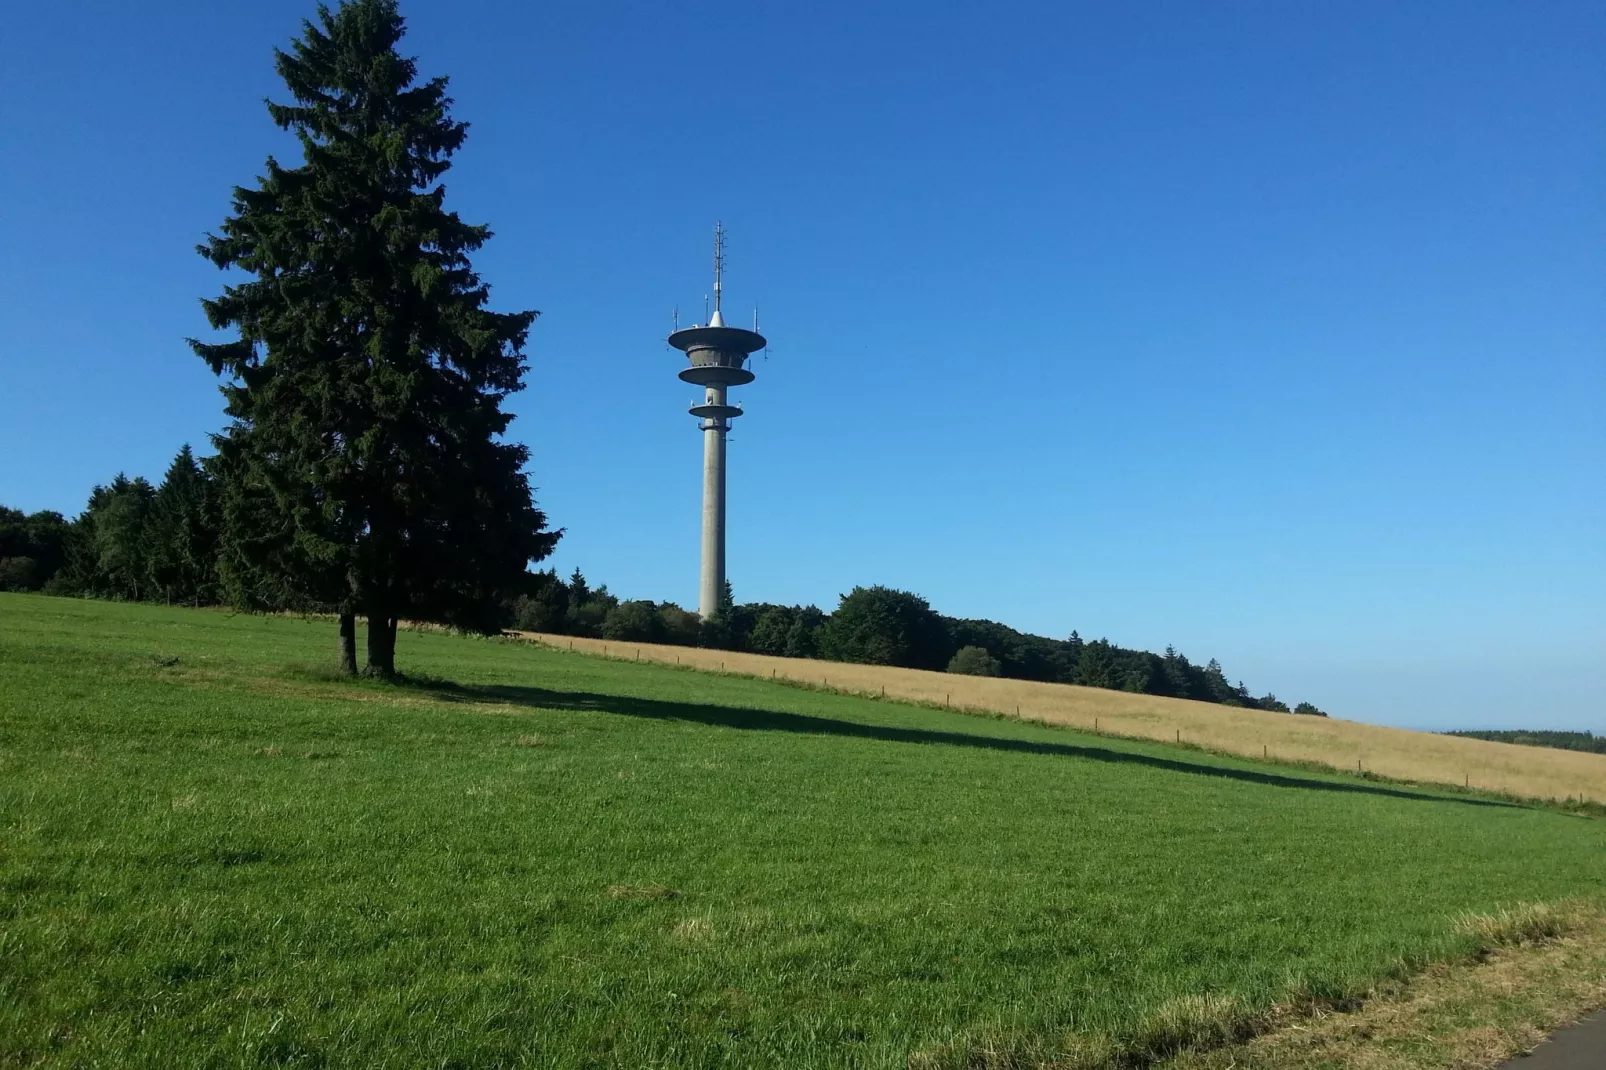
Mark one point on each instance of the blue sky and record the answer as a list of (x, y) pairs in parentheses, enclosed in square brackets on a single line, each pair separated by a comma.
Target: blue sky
[(1275, 331)]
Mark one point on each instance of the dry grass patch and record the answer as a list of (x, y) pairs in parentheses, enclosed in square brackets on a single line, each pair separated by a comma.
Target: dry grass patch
[(531, 741), (641, 891), (1527, 923), (693, 931)]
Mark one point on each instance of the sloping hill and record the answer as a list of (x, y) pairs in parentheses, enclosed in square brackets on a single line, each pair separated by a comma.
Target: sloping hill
[(214, 853), (1396, 753)]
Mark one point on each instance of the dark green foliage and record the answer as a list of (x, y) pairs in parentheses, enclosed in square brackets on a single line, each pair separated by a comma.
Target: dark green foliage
[(587, 608), (882, 626), (974, 661), (803, 637), (636, 622), (33, 548), (1025, 657), (785, 631), (1539, 737), (138, 542), (182, 535), (1096, 667), (20, 573), (680, 626), (364, 470), (544, 607), (107, 553), (1308, 709), (770, 627)]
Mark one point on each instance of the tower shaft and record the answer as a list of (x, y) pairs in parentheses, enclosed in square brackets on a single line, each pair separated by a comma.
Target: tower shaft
[(712, 578)]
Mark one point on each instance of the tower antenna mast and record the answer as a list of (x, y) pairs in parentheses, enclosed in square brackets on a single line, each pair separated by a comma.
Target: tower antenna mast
[(719, 262)]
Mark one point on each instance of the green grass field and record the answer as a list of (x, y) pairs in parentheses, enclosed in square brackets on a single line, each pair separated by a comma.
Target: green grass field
[(212, 853)]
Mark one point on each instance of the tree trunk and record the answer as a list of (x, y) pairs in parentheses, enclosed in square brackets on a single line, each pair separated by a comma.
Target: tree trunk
[(381, 646), (348, 643)]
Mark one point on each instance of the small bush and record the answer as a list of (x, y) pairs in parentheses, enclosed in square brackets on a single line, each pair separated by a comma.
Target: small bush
[(974, 661), (19, 574)]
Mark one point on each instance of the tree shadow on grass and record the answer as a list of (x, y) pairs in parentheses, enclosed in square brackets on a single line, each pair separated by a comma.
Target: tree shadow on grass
[(761, 720)]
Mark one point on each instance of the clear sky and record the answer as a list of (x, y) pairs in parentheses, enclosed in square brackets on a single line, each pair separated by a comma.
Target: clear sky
[(1275, 331)]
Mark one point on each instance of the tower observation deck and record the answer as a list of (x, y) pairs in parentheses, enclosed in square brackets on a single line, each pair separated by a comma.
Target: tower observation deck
[(718, 356)]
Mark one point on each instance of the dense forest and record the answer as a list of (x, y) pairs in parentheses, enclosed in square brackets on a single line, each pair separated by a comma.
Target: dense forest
[(1533, 737), (169, 543)]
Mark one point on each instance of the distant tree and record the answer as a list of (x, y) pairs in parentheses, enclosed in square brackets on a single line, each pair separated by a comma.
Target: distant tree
[(1271, 703), (364, 470), (803, 637), (1309, 710), (1217, 688), (1025, 657), (1097, 666), (974, 661), (680, 627), (579, 590), (770, 628), (1540, 737), (1176, 674), (544, 607), (635, 622), (588, 608), (119, 540), (882, 626), (183, 534), (33, 548)]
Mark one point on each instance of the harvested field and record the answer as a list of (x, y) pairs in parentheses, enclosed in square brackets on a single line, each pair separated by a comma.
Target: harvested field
[(1395, 753)]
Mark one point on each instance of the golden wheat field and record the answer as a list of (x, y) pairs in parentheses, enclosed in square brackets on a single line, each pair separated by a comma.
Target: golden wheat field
[(1397, 753)]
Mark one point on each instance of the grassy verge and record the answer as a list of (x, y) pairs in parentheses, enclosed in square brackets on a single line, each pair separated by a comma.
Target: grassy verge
[(211, 853), (1537, 970)]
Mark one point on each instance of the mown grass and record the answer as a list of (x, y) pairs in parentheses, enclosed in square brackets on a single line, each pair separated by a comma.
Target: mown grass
[(212, 853)]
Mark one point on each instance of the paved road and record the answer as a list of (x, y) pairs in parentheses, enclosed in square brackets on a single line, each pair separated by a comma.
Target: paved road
[(1579, 1047)]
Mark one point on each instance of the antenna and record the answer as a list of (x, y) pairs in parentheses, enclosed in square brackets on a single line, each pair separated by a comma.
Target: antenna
[(675, 317), (719, 261), (705, 308), (755, 319)]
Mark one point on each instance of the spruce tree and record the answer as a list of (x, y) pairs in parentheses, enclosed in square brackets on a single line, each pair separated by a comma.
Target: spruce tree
[(364, 470), (182, 533)]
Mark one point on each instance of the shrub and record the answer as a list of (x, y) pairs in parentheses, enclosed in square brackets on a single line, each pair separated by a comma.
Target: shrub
[(19, 574), (974, 661)]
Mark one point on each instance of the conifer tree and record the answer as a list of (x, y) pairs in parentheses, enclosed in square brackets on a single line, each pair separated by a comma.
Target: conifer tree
[(182, 533), (364, 470)]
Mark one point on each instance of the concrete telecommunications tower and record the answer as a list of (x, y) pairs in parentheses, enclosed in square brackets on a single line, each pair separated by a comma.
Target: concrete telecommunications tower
[(718, 361)]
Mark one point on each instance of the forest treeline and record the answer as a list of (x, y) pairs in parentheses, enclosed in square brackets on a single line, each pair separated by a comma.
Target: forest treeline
[(164, 543), (1531, 737)]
